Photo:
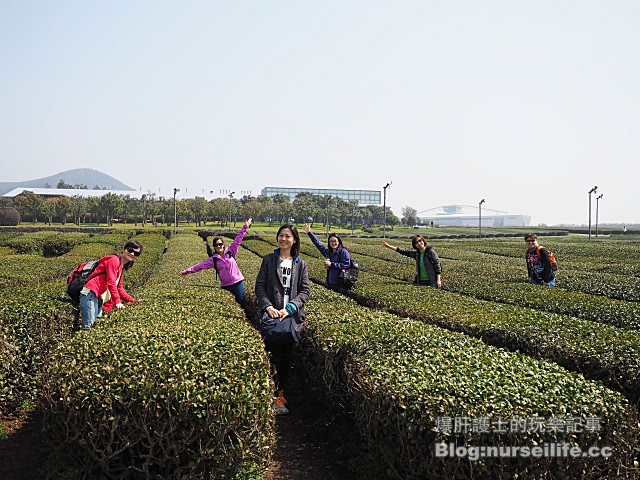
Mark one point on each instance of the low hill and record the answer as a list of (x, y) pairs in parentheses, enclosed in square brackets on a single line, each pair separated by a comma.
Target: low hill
[(78, 176)]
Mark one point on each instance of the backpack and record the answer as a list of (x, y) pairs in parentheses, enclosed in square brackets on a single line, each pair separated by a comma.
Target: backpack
[(349, 276), (215, 263), (78, 278), (554, 262)]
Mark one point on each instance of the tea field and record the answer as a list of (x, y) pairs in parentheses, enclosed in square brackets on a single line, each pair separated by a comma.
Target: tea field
[(178, 385)]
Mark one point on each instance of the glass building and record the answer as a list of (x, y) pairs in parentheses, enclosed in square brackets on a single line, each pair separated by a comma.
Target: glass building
[(364, 197)]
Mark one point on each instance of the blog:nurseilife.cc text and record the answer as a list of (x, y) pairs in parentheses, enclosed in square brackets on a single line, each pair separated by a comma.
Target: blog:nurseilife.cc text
[(546, 450)]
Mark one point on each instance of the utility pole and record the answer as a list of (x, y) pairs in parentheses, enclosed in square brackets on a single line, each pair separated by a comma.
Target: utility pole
[(384, 210), (175, 211), (230, 197), (597, 206), (593, 190), (353, 213), (326, 222), (480, 217)]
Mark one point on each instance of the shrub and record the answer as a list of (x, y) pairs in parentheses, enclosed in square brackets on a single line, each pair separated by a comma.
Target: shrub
[(177, 386), (9, 217)]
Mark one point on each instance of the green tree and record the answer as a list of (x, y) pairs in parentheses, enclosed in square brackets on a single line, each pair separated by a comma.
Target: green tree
[(49, 209), (305, 207), (94, 210), (79, 208), (409, 216), (198, 208), (267, 208), (165, 209), (29, 204), (64, 207), (282, 207), (219, 209), (111, 205), (252, 209), (355, 214), (392, 220)]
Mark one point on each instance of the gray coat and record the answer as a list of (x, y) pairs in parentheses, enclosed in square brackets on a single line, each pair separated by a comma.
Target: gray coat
[(270, 291), (431, 263)]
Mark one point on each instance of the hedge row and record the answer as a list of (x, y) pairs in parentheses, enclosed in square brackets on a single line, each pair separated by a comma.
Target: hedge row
[(598, 351), (405, 378), (37, 316), (503, 280), (176, 386)]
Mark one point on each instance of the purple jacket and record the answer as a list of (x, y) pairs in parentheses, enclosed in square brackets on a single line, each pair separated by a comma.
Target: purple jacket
[(340, 260), (227, 267)]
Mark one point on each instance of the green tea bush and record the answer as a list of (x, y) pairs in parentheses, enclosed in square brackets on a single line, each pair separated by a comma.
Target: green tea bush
[(32, 321), (403, 378), (35, 314), (177, 386)]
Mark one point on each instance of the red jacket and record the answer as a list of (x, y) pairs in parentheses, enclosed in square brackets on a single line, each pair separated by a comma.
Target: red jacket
[(101, 282)]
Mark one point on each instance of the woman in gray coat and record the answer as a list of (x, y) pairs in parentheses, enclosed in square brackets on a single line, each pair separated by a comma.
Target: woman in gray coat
[(282, 288), (428, 268)]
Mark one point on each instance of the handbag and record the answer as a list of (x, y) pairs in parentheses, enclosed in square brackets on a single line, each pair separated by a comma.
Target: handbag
[(349, 275), (278, 332)]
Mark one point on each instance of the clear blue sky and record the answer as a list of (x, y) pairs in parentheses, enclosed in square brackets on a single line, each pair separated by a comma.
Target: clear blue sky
[(525, 104)]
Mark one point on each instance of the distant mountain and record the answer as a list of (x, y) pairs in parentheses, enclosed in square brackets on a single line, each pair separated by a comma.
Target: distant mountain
[(77, 176)]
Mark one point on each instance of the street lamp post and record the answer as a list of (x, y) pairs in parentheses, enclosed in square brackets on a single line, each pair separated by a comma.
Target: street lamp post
[(384, 210), (353, 214), (175, 211), (597, 207), (480, 217), (326, 222), (593, 190), (230, 197)]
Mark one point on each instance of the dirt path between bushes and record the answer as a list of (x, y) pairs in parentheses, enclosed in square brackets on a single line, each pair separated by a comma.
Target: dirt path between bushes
[(306, 448)]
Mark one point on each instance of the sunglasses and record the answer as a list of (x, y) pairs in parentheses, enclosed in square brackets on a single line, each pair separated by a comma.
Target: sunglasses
[(530, 241), (219, 245), (135, 252)]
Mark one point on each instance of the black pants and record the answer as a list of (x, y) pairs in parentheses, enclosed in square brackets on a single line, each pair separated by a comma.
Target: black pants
[(338, 288), (281, 362)]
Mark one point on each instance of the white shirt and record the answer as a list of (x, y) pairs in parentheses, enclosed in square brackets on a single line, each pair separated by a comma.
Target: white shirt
[(285, 275)]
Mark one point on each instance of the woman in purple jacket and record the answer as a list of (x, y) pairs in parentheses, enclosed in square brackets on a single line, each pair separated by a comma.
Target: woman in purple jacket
[(224, 261), (336, 259)]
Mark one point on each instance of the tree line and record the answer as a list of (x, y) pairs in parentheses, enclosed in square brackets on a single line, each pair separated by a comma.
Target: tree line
[(305, 208)]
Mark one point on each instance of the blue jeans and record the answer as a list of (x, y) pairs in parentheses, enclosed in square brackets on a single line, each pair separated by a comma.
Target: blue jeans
[(238, 291), (90, 309)]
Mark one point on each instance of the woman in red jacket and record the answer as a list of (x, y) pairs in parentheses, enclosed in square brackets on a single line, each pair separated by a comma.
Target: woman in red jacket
[(104, 287)]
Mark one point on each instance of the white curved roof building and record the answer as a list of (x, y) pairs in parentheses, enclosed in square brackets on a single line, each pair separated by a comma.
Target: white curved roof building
[(468, 216)]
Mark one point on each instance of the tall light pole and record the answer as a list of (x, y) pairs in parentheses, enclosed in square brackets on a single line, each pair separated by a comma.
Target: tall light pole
[(353, 214), (593, 190), (597, 206), (384, 210), (230, 197), (175, 211), (326, 221), (480, 217)]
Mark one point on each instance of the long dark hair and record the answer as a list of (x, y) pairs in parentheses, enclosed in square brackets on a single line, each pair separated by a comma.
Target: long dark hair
[(339, 242), (295, 248)]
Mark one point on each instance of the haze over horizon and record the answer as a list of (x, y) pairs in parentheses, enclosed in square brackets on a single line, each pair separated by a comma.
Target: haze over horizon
[(525, 105)]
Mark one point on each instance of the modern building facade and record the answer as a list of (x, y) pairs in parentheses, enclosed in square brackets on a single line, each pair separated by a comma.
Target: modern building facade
[(364, 197)]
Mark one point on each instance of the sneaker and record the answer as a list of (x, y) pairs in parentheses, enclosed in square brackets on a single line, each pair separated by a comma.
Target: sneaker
[(279, 404), (280, 394)]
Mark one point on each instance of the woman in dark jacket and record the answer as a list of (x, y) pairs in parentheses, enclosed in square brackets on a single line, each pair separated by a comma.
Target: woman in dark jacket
[(282, 289), (428, 269), (336, 259)]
